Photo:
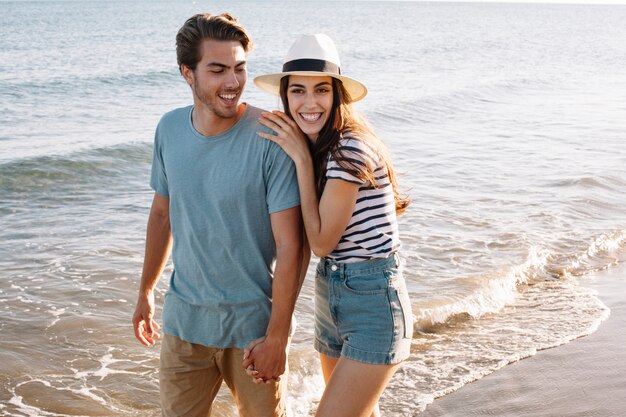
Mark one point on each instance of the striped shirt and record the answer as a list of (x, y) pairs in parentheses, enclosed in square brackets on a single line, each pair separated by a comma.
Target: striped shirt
[(373, 229)]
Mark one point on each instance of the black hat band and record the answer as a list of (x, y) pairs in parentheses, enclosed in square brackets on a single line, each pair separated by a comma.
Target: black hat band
[(317, 65)]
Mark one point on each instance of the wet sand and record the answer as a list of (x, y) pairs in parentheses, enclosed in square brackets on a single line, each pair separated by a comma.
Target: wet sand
[(583, 378)]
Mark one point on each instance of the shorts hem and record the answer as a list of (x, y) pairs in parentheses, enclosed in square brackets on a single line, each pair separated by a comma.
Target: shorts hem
[(325, 350), (375, 358), (358, 355)]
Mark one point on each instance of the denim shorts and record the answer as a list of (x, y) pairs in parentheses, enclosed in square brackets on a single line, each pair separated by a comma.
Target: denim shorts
[(363, 311)]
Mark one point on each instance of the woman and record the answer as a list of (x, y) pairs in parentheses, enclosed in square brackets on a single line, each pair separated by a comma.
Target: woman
[(349, 200)]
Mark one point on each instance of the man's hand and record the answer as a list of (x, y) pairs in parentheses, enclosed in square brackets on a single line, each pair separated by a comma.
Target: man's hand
[(265, 359), (145, 327)]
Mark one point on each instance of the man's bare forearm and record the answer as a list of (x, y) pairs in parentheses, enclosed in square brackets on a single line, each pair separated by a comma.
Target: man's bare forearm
[(285, 289), (158, 244)]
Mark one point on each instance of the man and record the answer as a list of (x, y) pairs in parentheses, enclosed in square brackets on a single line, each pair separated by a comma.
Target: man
[(226, 204)]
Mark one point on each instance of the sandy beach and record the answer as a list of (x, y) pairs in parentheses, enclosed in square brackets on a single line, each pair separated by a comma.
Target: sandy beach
[(586, 377)]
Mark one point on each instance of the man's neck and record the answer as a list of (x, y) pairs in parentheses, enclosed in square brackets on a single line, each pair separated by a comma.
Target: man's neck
[(208, 123)]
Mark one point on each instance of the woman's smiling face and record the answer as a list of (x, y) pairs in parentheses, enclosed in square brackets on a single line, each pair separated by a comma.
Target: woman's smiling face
[(310, 102)]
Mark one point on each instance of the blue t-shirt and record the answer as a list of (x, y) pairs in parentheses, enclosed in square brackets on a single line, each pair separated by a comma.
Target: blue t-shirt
[(222, 190)]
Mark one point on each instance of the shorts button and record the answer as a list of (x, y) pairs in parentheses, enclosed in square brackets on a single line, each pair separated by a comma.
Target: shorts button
[(333, 268)]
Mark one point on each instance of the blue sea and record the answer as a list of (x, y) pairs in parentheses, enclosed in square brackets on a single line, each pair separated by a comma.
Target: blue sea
[(506, 122)]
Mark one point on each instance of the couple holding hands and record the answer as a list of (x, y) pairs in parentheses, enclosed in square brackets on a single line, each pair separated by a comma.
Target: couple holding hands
[(242, 197)]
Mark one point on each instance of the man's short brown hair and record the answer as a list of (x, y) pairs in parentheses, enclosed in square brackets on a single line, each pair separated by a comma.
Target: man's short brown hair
[(223, 27)]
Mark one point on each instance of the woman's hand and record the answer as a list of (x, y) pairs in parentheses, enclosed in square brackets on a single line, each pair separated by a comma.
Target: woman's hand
[(265, 360), (288, 135)]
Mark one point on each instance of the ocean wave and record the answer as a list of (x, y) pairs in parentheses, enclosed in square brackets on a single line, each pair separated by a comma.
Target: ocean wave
[(606, 182), (80, 386), (19, 88), (45, 171), (606, 250), (457, 352), (454, 102), (486, 294), (490, 294)]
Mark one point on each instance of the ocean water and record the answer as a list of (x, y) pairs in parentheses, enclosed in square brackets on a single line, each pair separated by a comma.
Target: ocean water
[(507, 123)]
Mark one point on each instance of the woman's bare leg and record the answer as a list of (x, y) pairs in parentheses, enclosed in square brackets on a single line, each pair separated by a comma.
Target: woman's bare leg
[(352, 388), (328, 365)]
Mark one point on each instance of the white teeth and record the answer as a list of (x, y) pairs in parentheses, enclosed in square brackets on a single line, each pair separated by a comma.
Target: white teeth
[(228, 96), (311, 117)]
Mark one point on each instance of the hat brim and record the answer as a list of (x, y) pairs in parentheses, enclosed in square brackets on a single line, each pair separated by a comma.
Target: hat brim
[(271, 82)]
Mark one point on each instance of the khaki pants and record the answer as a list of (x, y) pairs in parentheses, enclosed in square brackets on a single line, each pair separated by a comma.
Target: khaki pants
[(191, 376)]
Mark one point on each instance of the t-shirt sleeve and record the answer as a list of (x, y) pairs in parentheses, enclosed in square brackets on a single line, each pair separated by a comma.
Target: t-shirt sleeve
[(354, 152), (158, 176), (281, 181)]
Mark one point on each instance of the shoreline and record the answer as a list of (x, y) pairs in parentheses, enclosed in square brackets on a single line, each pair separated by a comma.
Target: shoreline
[(584, 378)]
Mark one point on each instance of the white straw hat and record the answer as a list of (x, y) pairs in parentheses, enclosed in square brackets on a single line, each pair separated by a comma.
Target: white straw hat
[(312, 55)]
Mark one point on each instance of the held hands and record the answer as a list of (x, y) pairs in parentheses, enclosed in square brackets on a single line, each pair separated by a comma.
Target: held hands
[(264, 360), (145, 328), (288, 135)]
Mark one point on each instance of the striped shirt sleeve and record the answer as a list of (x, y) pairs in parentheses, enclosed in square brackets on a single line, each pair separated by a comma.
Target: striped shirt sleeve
[(356, 153)]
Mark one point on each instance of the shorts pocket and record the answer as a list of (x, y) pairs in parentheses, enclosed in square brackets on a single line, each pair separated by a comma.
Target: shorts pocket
[(407, 313), (375, 283), (403, 313)]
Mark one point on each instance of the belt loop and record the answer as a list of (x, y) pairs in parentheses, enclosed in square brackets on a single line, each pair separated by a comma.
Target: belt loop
[(396, 257), (325, 265)]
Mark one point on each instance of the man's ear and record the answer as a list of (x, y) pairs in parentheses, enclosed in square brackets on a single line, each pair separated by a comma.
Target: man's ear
[(187, 74)]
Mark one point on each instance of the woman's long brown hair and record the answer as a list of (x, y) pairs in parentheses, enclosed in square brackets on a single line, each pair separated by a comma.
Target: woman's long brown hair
[(343, 119)]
